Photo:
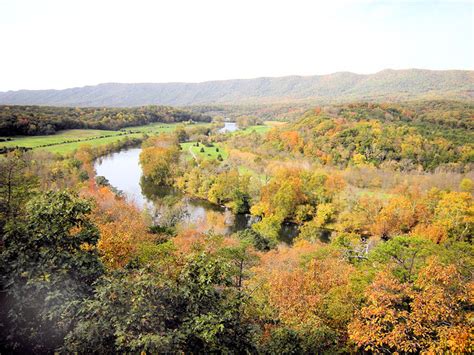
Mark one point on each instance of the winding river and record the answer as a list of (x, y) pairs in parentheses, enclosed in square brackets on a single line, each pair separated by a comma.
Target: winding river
[(123, 171)]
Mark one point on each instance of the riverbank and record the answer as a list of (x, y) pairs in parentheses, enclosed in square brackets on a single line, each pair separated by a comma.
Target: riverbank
[(67, 141)]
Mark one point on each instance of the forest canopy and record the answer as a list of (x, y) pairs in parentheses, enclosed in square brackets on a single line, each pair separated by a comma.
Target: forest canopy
[(42, 120), (379, 197), (402, 137)]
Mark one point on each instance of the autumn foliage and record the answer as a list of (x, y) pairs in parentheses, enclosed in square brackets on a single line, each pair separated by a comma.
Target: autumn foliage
[(432, 314), (121, 225), (379, 258)]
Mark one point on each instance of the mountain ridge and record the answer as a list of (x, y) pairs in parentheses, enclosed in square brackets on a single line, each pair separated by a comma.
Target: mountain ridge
[(388, 84)]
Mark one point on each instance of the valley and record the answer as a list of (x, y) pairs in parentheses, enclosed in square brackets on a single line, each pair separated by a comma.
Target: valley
[(237, 177), (296, 223)]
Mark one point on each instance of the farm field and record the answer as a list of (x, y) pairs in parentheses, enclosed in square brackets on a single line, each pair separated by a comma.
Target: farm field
[(63, 136), (209, 152), (67, 141), (267, 125), (153, 128), (246, 170), (67, 148), (258, 129), (212, 153)]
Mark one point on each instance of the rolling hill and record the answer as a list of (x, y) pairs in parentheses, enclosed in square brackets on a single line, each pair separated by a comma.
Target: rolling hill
[(385, 85)]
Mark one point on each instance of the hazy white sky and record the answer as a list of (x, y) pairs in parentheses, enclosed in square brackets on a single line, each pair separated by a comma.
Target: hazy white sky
[(67, 43)]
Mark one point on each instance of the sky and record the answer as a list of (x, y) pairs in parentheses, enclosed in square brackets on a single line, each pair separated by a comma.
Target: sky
[(56, 44)]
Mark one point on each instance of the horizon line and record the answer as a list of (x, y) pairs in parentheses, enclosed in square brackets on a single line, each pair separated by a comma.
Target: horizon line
[(233, 79)]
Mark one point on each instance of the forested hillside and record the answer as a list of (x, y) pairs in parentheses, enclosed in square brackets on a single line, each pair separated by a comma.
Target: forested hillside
[(356, 235), (343, 86), (167, 186), (449, 113), (434, 114), (407, 136), (382, 261), (39, 120)]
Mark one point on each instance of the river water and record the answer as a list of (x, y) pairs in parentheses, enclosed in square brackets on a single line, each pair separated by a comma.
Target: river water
[(229, 127), (123, 171)]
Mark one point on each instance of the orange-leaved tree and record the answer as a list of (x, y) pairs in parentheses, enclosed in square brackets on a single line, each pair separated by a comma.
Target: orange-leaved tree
[(431, 314)]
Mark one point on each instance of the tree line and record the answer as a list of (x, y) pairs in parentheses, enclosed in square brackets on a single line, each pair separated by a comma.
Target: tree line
[(341, 140), (41, 120)]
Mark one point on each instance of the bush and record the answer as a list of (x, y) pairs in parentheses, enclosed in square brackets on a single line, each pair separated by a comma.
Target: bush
[(102, 181), (83, 176), (283, 341), (258, 241)]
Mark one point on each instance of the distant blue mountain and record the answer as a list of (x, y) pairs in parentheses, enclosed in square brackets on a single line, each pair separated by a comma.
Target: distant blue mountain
[(386, 85)]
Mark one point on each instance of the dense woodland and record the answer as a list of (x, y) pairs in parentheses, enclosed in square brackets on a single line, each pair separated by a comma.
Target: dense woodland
[(375, 135), (41, 120), (381, 196), (454, 114)]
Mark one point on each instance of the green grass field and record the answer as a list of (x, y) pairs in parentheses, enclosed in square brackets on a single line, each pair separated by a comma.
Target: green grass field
[(154, 128), (62, 142), (246, 170), (63, 136), (257, 129), (209, 152), (67, 141), (267, 125), (70, 147)]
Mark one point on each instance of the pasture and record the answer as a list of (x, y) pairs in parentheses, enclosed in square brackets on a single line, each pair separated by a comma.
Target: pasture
[(209, 153), (67, 141)]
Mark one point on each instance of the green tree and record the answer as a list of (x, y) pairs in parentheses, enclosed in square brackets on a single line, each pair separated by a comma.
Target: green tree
[(406, 254), (102, 181), (258, 241), (241, 258), (269, 227), (48, 264), (83, 176), (16, 186), (136, 310), (466, 185), (181, 134), (283, 341)]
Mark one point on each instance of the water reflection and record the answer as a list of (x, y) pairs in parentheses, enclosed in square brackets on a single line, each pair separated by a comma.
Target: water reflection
[(167, 205), (229, 127), (123, 172), (288, 232)]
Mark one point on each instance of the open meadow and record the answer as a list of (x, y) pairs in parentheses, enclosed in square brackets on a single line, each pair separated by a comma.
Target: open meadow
[(69, 140)]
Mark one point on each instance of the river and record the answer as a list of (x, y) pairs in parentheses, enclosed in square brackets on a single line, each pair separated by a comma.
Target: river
[(229, 127), (123, 171)]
